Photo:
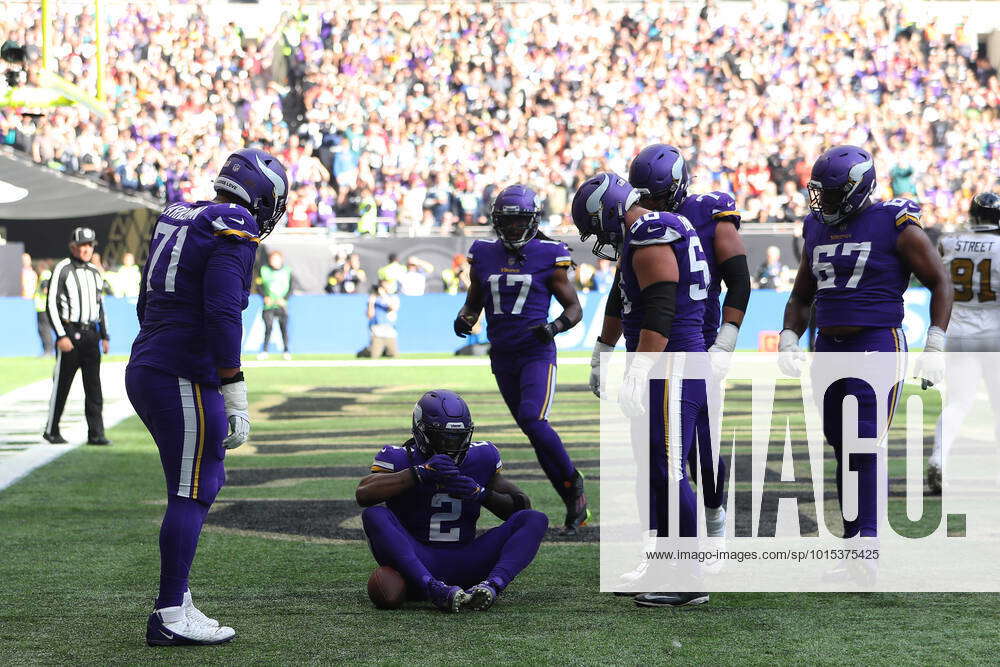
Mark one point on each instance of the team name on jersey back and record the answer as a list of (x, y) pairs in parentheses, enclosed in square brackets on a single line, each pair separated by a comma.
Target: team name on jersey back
[(860, 276), (658, 228), (515, 288)]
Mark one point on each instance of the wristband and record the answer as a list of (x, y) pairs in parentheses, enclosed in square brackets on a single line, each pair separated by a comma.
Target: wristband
[(230, 380)]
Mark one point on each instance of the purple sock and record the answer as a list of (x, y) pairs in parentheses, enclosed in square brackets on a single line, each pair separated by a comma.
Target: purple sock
[(527, 530), (178, 541), (551, 453), (392, 545)]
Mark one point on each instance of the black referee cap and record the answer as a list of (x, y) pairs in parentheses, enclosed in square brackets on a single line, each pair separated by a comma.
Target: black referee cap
[(84, 235)]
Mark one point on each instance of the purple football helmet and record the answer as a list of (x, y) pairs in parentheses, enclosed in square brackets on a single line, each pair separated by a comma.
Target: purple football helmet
[(843, 178), (258, 180), (442, 424), (660, 174), (599, 207), (517, 210)]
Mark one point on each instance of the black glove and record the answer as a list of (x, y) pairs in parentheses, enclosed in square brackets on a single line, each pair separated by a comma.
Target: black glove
[(545, 332), (435, 470), (462, 327)]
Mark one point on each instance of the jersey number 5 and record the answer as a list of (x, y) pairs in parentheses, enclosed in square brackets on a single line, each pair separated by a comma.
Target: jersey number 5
[(453, 511), (165, 232), (512, 279)]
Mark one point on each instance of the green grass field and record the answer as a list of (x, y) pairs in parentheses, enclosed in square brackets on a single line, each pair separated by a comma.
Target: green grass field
[(283, 560)]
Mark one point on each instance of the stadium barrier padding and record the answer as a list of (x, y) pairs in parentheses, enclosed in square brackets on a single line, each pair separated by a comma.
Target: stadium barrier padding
[(337, 323)]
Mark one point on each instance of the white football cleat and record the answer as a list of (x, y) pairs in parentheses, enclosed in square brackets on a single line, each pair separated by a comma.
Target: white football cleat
[(261, 356), (170, 627), (193, 614), (287, 356)]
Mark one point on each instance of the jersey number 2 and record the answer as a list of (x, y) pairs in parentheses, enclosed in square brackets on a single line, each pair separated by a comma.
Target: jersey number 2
[(453, 511), (165, 232), (512, 279)]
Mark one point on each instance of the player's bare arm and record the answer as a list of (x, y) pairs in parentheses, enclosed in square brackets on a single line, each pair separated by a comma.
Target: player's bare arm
[(564, 292), (800, 300), (504, 497), (731, 258), (657, 272), (378, 487), (925, 262), (473, 306)]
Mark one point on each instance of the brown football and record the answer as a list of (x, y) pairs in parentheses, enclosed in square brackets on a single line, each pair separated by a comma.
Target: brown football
[(386, 588)]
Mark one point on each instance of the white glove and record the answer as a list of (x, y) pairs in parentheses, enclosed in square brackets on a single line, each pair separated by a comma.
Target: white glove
[(721, 352), (595, 367), (930, 365), (237, 412), (632, 395), (791, 357)]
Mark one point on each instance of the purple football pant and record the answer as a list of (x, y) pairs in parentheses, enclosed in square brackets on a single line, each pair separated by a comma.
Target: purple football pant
[(705, 466), (498, 555), (675, 408), (188, 422), (865, 465), (528, 386)]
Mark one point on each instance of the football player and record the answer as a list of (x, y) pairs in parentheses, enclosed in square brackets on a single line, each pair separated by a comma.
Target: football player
[(969, 257), (184, 377), (660, 174), (515, 278), (434, 487), (857, 259), (664, 284)]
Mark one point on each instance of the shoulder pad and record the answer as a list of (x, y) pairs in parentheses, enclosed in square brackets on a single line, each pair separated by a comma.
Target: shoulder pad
[(723, 208), (389, 459), (493, 450), (232, 221), (560, 252), (904, 211), (652, 229), (477, 248)]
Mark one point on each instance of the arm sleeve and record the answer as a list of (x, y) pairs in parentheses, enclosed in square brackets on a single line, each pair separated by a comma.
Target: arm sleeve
[(52, 301), (613, 308), (226, 287), (736, 274)]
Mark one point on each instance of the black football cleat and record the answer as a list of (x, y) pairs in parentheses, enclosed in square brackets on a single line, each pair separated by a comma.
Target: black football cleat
[(934, 479), (54, 438), (670, 599), (98, 441), (577, 513)]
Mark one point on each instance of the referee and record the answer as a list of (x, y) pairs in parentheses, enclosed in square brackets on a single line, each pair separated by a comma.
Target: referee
[(76, 311)]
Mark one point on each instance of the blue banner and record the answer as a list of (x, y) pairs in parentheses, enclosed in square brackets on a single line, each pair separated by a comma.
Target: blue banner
[(337, 323)]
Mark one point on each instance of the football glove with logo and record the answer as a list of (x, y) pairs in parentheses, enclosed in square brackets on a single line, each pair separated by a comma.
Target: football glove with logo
[(930, 365), (234, 394), (435, 470)]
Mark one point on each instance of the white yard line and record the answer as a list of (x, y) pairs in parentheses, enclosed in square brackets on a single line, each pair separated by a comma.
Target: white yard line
[(390, 363), (22, 419)]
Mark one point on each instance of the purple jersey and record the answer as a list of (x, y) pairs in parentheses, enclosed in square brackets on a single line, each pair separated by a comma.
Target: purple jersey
[(692, 287), (515, 288), (195, 285), (705, 212), (860, 276), (430, 515)]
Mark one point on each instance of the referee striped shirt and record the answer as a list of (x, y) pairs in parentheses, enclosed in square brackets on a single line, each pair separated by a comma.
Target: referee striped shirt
[(75, 296)]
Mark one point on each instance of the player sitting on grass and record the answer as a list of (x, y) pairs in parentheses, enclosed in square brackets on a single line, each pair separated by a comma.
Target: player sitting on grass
[(433, 488)]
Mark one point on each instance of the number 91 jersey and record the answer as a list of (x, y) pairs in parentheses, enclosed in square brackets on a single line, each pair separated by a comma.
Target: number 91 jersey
[(973, 260), (860, 276), (695, 277), (515, 288)]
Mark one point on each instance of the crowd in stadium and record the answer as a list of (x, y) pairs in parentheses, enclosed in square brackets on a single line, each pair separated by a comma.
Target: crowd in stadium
[(393, 122)]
